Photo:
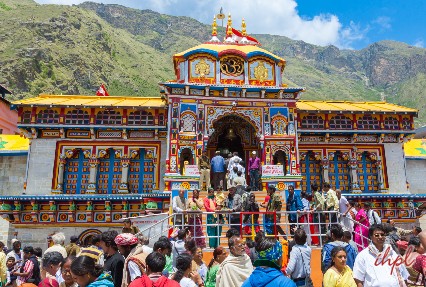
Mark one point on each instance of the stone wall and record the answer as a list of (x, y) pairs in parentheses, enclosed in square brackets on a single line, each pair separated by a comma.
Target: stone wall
[(40, 168), (416, 175), (12, 174), (395, 164), (5, 232)]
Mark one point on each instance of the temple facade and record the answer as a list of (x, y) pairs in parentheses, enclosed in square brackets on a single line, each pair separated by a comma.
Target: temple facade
[(94, 160)]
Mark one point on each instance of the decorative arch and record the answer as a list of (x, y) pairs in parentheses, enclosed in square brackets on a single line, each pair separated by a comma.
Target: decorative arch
[(253, 116), (188, 122), (279, 125)]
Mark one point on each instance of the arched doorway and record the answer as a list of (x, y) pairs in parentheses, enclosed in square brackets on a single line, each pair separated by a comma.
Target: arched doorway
[(85, 237), (233, 133)]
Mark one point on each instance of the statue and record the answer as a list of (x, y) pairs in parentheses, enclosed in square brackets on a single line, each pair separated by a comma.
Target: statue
[(72, 206), (107, 206), (89, 206), (52, 206)]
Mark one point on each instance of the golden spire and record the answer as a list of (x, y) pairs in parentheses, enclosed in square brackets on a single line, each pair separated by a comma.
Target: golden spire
[(229, 30), (243, 28), (214, 27)]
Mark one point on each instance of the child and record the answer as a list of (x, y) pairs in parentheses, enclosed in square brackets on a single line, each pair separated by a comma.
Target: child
[(10, 264)]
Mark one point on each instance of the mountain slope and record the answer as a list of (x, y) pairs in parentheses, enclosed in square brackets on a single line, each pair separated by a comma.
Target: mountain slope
[(71, 50)]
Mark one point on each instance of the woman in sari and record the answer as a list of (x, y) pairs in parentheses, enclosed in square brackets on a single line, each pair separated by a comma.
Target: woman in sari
[(361, 227), (195, 221), (338, 274), (213, 231)]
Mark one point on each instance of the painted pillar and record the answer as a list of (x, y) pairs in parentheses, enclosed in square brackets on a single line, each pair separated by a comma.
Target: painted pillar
[(93, 163), (61, 169), (325, 164), (353, 164), (124, 187), (380, 174)]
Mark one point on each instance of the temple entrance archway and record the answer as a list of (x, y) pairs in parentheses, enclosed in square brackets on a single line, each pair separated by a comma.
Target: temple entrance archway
[(233, 133)]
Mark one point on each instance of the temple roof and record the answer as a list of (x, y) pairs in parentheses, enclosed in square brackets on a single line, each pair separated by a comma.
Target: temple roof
[(219, 49), (345, 106), (91, 101)]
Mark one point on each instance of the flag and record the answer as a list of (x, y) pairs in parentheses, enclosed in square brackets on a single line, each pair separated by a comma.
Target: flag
[(102, 92), (238, 36)]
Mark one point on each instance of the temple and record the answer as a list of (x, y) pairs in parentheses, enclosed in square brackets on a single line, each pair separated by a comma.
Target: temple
[(94, 160)]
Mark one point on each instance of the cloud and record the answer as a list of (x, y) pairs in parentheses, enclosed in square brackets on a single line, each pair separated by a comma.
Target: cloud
[(383, 22), (278, 17), (419, 43)]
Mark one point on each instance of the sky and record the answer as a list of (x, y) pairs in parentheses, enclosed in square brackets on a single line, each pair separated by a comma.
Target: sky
[(349, 24)]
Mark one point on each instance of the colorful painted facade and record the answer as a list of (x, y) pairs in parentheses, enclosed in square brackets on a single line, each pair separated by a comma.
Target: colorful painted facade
[(93, 159)]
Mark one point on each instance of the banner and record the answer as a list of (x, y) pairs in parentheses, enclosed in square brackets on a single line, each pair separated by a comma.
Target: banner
[(191, 170), (272, 170), (151, 226)]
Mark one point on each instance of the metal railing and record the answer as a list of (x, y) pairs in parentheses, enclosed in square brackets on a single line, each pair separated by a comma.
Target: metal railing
[(213, 225)]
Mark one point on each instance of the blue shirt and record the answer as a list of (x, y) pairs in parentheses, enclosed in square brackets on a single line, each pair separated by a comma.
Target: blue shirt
[(268, 277), (218, 164)]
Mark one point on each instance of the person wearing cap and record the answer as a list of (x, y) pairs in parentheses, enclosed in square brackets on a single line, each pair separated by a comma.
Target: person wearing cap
[(268, 266), (204, 168), (134, 264), (218, 169), (254, 170)]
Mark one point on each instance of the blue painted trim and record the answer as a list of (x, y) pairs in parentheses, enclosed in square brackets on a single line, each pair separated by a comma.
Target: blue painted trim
[(201, 50), (13, 153)]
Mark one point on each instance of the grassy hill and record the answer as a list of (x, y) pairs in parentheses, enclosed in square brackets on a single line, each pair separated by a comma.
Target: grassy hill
[(72, 49)]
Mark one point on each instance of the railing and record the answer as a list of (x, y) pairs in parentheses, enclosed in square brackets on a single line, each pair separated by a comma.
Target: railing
[(213, 225)]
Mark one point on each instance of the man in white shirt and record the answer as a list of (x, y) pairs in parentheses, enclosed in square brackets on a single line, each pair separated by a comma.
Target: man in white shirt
[(343, 207), (179, 206), (373, 217), (372, 267), (58, 242)]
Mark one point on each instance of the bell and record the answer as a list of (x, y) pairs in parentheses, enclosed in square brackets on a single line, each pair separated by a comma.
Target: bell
[(231, 135)]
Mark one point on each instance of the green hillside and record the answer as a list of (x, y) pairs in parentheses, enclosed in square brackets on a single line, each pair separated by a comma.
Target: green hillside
[(72, 49)]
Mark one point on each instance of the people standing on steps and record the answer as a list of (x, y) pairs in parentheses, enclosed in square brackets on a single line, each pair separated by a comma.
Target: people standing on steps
[(295, 205), (204, 168), (254, 171), (332, 202), (218, 170), (179, 206), (195, 204)]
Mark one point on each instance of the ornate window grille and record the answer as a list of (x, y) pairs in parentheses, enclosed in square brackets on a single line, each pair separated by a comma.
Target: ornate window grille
[(77, 117), (109, 173), (141, 118), (391, 123), (339, 173), (406, 123), (312, 121), (368, 122), (26, 117), (47, 116), (188, 123), (367, 173), (340, 122), (141, 174), (109, 117), (161, 120)]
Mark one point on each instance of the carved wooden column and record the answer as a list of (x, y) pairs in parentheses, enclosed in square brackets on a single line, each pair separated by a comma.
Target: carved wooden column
[(380, 174), (93, 163), (124, 187), (61, 169)]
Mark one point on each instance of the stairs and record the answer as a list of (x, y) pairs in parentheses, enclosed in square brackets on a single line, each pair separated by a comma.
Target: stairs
[(260, 197)]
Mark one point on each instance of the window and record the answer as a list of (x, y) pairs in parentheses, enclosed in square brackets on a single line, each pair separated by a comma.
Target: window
[(161, 120), (109, 173), (391, 123), (47, 117), (141, 174), (312, 121), (26, 117), (367, 173), (339, 172), (368, 122), (108, 117), (340, 122), (188, 123), (311, 171), (141, 118), (406, 124), (76, 174), (77, 117)]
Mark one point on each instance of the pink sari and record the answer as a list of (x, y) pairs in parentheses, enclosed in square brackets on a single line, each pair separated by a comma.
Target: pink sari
[(361, 241)]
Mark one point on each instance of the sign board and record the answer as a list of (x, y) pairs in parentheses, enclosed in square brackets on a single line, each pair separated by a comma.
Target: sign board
[(272, 170), (153, 226), (191, 170)]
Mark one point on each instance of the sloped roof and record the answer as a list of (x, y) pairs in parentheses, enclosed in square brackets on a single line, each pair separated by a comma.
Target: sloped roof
[(346, 106), (91, 101), (415, 149)]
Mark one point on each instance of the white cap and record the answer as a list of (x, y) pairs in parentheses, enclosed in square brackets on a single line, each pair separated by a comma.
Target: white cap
[(13, 240), (253, 152)]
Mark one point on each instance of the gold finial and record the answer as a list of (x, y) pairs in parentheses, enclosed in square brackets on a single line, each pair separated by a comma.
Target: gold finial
[(214, 27), (229, 31), (243, 28)]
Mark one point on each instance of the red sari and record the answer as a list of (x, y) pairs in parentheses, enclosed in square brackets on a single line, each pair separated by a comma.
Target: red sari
[(307, 218)]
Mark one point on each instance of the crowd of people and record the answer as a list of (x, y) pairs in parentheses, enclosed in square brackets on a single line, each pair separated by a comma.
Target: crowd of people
[(111, 259)]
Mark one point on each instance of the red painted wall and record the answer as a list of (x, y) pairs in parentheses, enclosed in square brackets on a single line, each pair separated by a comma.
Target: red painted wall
[(8, 118)]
